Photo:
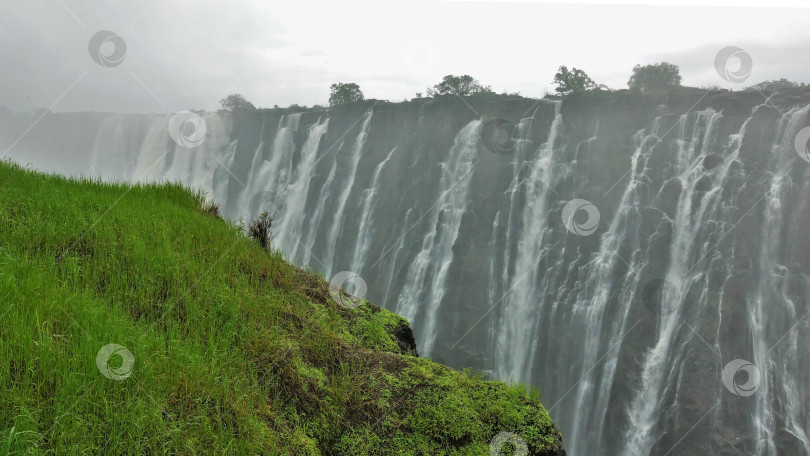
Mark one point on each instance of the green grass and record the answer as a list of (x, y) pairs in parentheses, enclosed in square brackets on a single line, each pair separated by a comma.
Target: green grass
[(236, 351)]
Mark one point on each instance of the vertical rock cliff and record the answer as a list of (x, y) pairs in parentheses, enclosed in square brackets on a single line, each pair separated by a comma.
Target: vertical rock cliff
[(619, 251)]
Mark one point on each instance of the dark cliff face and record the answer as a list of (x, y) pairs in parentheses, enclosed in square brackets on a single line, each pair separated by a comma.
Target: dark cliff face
[(422, 133), (699, 256)]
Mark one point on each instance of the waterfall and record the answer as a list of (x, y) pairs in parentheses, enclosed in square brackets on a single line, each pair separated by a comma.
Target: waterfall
[(591, 306), (113, 155), (783, 378), (437, 245), (135, 148), (250, 188), (366, 220), (397, 248), (268, 179), (308, 241), (222, 174), (289, 231), (514, 332), (152, 154), (699, 259), (345, 191), (196, 166), (686, 225)]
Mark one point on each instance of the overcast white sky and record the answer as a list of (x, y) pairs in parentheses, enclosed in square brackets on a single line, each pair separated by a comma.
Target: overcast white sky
[(184, 54)]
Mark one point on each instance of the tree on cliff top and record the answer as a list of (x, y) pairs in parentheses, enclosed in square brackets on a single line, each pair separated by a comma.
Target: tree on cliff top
[(234, 102), (345, 92), (574, 81), (656, 77), (458, 85), (774, 85)]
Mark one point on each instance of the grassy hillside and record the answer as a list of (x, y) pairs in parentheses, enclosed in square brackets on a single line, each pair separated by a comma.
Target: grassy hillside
[(233, 350)]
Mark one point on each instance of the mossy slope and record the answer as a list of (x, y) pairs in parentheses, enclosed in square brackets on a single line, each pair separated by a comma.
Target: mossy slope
[(235, 350)]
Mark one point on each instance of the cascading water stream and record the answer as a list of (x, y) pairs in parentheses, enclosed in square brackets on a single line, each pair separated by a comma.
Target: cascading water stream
[(437, 245), (516, 322), (289, 231), (268, 178), (308, 242), (345, 191), (135, 148), (589, 315), (366, 230), (780, 381), (686, 225), (112, 155)]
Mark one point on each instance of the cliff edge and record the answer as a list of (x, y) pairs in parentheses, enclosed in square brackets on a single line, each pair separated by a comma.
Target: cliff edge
[(136, 321)]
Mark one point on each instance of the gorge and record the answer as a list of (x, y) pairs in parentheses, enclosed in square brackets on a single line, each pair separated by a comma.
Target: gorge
[(639, 258)]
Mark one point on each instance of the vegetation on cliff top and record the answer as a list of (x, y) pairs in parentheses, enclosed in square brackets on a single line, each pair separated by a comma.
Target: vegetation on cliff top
[(233, 350), (342, 93), (660, 78)]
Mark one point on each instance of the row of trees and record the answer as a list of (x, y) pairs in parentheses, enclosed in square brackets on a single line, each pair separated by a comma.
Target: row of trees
[(653, 78), (775, 84), (464, 85), (656, 77), (341, 93)]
